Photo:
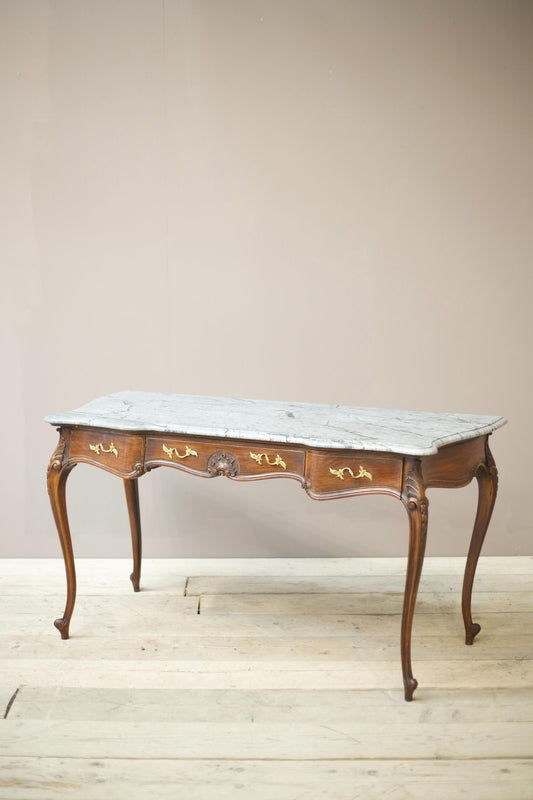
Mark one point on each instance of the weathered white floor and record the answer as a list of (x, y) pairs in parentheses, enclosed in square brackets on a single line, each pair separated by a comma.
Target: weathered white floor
[(267, 679)]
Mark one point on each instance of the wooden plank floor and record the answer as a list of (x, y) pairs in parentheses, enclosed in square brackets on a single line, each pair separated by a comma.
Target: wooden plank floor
[(269, 679)]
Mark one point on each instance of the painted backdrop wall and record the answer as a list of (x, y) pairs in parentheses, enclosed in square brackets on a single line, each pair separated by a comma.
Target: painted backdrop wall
[(314, 200)]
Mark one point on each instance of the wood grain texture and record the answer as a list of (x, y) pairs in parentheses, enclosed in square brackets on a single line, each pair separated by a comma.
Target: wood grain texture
[(215, 779), (251, 674), (131, 489), (163, 570), (59, 469), (321, 484), (357, 584), (416, 503), (175, 613), (197, 461), (234, 646), (324, 473), (374, 603), (454, 465), (127, 450), (267, 706), (487, 478), (161, 701), (130, 454), (353, 740)]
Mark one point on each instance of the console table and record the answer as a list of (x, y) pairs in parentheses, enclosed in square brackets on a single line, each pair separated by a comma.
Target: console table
[(334, 451)]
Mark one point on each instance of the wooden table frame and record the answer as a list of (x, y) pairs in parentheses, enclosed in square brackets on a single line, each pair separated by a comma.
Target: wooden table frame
[(324, 473)]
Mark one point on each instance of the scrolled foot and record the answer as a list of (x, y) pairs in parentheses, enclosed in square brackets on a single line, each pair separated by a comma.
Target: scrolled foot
[(471, 633), (62, 626), (410, 685), (135, 581)]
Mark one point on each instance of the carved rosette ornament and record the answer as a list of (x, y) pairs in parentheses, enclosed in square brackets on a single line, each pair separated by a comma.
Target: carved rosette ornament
[(56, 462), (222, 463)]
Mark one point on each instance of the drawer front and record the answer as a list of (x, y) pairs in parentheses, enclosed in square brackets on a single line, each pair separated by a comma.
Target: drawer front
[(119, 453), (219, 457), (331, 474), (175, 451), (263, 459)]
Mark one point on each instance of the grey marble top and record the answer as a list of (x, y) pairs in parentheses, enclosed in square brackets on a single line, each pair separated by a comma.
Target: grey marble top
[(341, 427)]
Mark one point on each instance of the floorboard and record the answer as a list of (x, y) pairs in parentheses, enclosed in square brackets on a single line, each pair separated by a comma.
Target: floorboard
[(264, 679), (36, 778)]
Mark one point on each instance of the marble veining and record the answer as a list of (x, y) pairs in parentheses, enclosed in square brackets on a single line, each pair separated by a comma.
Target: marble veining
[(330, 426)]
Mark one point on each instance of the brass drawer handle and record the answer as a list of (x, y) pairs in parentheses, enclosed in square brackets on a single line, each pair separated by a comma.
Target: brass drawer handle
[(361, 474), (188, 452), (278, 461), (100, 448)]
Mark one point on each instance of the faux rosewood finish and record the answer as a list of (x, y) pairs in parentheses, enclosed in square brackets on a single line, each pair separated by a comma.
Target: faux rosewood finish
[(455, 464), (416, 503), (487, 478), (324, 473), (119, 453), (193, 455), (362, 473), (131, 487), (59, 469)]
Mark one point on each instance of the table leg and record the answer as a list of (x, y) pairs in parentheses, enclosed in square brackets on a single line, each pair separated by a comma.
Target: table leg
[(416, 503), (132, 498), (56, 480), (487, 478)]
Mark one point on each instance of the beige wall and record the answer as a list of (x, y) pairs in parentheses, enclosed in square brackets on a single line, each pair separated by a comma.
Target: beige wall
[(297, 199)]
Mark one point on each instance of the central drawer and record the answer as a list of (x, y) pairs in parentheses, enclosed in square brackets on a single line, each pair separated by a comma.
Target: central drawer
[(211, 457)]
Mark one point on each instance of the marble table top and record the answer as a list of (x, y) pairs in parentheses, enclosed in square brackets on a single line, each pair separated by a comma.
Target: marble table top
[(329, 426)]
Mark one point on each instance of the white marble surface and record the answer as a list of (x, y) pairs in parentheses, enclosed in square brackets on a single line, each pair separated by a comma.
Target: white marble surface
[(342, 427)]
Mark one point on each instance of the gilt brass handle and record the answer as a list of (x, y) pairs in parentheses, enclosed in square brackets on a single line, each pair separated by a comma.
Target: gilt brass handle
[(278, 461), (171, 450), (361, 474), (100, 448)]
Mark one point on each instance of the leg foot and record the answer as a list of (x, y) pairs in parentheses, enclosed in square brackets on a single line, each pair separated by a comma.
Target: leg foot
[(414, 498), (131, 488), (472, 632), (410, 685), (487, 478), (62, 626)]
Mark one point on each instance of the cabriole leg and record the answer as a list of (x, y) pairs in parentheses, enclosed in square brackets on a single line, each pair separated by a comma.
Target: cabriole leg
[(487, 478), (56, 481), (417, 508), (132, 498)]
